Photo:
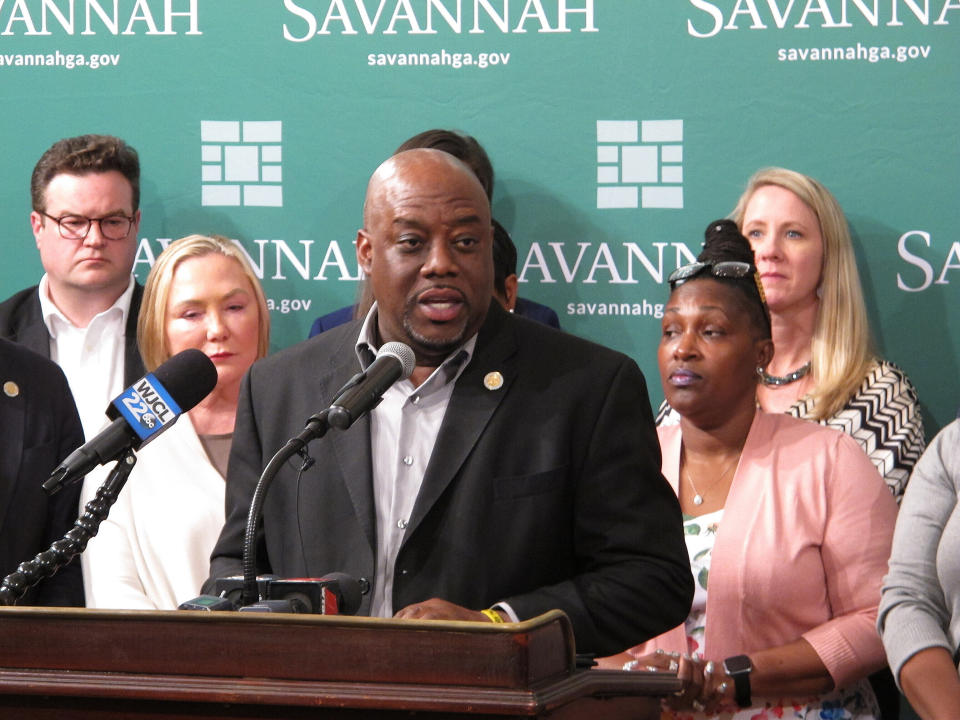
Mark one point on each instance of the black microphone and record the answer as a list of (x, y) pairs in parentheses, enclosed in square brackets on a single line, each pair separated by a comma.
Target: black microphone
[(360, 395), (333, 594), (349, 591), (140, 413), (395, 361)]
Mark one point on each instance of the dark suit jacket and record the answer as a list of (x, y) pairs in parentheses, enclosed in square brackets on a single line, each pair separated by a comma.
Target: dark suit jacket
[(22, 322), (39, 426), (537, 311), (545, 493), (331, 320)]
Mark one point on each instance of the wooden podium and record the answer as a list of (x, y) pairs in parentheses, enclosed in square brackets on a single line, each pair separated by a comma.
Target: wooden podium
[(77, 664)]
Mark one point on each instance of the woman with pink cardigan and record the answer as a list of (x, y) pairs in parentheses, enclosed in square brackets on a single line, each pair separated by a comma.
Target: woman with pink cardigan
[(788, 523)]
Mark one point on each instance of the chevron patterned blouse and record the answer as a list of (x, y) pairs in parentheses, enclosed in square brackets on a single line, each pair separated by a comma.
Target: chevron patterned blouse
[(883, 416)]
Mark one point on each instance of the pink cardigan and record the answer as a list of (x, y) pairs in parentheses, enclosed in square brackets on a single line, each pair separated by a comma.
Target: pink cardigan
[(801, 550)]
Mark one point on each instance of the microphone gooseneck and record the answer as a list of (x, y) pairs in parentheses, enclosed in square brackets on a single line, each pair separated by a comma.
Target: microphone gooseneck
[(395, 361)]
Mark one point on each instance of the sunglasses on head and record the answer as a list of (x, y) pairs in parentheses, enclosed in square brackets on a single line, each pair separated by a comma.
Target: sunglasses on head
[(725, 269)]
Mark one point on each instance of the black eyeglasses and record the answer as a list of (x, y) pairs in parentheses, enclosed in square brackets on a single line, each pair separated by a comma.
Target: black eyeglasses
[(77, 227), (725, 269)]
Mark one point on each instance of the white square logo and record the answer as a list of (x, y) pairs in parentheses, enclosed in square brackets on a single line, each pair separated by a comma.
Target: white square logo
[(241, 163), (639, 164)]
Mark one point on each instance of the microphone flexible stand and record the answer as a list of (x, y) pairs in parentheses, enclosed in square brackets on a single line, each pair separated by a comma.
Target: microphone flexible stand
[(48, 562), (317, 427)]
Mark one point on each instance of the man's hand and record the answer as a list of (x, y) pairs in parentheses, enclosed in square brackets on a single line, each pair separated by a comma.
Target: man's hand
[(437, 609)]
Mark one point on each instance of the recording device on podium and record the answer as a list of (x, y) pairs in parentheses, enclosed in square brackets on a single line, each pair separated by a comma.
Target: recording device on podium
[(332, 594), (140, 413), (335, 593)]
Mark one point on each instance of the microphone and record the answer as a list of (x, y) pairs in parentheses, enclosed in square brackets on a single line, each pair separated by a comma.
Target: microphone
[(395, 361), (333, 594), (140, 413), (360, 395)]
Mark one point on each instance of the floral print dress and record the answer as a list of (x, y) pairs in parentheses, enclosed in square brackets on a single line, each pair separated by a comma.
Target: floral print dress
[(854, 703)]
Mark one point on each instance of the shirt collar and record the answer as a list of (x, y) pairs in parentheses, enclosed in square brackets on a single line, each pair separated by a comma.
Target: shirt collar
[(450, 368), (49, 311)]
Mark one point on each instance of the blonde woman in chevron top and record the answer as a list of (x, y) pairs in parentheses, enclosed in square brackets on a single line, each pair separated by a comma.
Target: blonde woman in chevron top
[(824, 368)]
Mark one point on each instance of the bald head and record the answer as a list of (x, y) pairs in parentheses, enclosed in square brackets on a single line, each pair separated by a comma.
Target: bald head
[(421, 166)]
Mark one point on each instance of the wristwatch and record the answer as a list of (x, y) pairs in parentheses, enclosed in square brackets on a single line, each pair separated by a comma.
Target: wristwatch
[(739, 668)]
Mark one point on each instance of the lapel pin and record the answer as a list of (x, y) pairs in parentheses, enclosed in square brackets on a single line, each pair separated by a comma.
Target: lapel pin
[(11, 389), (493, 380)]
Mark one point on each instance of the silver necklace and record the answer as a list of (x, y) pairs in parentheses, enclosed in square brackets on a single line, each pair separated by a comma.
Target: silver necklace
[(697, 497), (784, 379)]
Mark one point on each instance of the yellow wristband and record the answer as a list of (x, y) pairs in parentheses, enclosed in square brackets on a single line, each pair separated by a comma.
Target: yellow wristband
[(493, 615)]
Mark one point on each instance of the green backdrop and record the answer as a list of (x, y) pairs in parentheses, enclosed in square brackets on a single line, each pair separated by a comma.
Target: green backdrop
[(618, 129)]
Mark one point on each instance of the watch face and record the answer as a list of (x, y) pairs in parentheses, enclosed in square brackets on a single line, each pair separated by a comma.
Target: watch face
[(737, 664)]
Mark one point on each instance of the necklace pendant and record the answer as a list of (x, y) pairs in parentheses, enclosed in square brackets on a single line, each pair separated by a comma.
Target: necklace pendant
[(698, 499)]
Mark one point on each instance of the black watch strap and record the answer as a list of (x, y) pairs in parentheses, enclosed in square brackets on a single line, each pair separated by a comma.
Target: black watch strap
[(739, 668)]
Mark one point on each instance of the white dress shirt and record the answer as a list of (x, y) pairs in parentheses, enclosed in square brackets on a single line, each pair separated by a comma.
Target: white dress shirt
[(91, 357), (403, 431)]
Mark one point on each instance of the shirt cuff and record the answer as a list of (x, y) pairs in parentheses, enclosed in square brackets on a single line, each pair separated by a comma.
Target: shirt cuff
[(505, 609)]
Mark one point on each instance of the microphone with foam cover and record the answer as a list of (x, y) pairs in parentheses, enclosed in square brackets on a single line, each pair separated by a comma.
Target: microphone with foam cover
[(140, 413), (395, 361)]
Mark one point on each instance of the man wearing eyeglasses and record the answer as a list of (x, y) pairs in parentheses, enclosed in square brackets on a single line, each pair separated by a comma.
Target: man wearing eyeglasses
[(86, 193)]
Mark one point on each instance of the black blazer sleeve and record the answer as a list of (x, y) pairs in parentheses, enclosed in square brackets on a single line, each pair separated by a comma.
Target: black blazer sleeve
[(631, 576), (40, 422)]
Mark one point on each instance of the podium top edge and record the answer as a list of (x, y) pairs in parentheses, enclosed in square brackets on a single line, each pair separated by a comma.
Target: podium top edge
[(176, 616)]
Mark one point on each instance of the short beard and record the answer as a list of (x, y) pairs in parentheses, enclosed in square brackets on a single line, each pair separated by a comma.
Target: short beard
[(430, 344)]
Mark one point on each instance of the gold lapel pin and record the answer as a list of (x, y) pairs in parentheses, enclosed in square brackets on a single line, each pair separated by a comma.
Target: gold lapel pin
[(493, 380), (11, 389)]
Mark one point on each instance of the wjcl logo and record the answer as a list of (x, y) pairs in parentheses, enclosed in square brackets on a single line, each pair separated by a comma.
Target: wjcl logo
[(147, 407)]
